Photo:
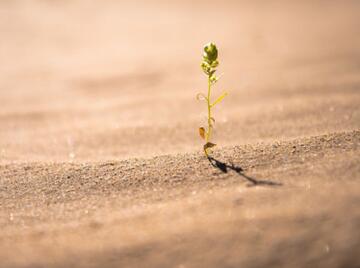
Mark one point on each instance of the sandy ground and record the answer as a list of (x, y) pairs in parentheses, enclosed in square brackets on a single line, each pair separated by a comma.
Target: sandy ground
[(100, 159)]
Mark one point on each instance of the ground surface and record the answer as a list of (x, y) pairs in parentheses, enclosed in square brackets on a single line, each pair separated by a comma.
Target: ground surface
[(100, 160)]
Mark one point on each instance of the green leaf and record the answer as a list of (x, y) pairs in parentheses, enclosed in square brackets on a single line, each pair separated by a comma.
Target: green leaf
[(214, 79), (219, 99), (214, 64), (211, 72), (210, 52), (206, 67)]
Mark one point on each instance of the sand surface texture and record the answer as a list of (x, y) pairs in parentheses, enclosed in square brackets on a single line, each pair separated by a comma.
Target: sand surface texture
[(100, 159)]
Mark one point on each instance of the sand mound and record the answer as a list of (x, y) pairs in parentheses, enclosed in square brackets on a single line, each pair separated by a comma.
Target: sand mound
[(289, 203)]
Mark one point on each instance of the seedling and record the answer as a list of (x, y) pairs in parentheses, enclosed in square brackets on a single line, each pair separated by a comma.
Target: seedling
[(208, 65)]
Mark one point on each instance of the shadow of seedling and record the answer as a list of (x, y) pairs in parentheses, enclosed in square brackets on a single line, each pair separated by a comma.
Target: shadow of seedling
[(253, 182)]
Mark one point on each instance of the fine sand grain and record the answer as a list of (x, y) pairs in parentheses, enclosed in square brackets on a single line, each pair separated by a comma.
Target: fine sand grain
[(100, 159)]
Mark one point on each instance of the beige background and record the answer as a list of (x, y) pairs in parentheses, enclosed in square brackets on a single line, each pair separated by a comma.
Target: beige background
[(100, 159)]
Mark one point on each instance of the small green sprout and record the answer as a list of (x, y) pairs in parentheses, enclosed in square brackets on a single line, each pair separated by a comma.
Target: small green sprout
[(208, 65)]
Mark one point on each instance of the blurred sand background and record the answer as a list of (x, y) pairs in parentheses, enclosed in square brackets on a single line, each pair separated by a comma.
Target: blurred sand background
[(101, 163)]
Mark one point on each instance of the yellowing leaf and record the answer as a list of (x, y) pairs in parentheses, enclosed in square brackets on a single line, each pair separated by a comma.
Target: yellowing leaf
[(202, 132), (209, 145), (219, 99)]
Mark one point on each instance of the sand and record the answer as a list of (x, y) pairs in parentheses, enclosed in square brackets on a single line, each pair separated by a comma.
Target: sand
[(100, 159)]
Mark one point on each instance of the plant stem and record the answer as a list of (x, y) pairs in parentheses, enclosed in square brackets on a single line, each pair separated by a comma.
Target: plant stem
[(209, 111)]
